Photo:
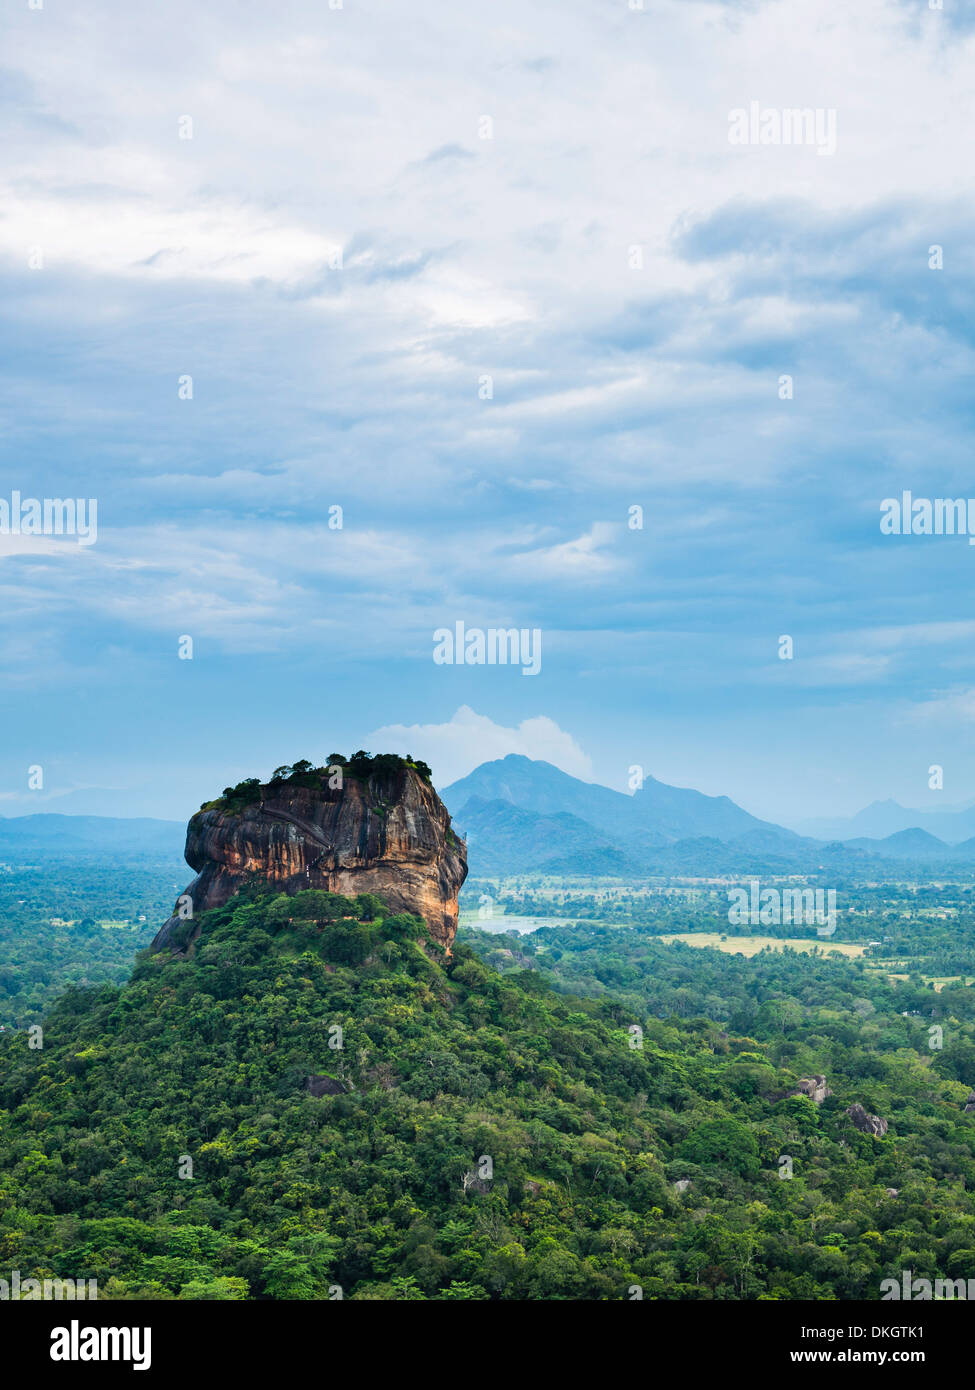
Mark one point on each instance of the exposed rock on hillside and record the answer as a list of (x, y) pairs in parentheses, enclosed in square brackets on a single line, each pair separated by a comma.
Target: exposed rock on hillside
[(867, 1124), (388, 833), (324, 1086), (814, 1087)]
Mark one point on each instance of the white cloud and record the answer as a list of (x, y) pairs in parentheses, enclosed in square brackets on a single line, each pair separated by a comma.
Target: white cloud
[(510, 257), (468, 739), (948, 710), (118, 236), (631, 119)]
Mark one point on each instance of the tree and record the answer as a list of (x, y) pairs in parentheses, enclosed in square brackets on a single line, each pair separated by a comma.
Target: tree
[(724, 1144)]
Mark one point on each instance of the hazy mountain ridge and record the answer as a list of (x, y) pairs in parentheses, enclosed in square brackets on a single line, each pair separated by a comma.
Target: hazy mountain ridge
[(55, 835), (885, 818), (665, 813), (501, 835), (527, 816)]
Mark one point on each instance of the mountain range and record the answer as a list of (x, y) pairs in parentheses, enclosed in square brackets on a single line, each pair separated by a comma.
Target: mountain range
[(658, 814), (522, 815), (883, 818), (46, 836)]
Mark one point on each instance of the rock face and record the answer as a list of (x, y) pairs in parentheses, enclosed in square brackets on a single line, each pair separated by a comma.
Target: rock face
[(814, 1087), (319, 1086), (867, 1124), (970, 1104), (387, 834)]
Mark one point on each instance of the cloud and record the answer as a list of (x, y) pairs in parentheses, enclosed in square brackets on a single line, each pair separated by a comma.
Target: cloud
[(947, 710), (468, 739), (448, 152), (614, 383)]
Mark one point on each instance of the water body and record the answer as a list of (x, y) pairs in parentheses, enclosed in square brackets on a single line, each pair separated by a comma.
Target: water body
[(511, 922)]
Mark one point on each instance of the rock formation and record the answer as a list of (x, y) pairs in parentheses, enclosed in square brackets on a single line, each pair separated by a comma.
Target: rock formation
[(814, 1087), (867, 1124), (970, 1104), (319, 1086), (387, 833)]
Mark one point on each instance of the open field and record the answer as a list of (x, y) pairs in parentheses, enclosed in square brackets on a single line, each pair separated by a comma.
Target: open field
[(751, 945), (939, 982)]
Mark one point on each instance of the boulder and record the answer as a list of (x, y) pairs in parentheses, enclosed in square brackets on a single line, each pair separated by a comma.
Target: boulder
[(867, 1124)]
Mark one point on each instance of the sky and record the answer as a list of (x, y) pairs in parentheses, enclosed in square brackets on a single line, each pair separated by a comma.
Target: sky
[(486, 280)]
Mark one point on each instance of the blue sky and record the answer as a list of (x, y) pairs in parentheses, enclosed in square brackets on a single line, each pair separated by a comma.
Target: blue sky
[(360, 130)]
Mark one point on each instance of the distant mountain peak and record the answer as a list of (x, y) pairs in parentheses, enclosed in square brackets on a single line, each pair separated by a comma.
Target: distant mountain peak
[(656, 813), (950, 824)]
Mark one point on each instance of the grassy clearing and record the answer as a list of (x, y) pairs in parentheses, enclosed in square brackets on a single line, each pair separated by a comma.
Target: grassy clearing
[(751, 945), (939, 982)]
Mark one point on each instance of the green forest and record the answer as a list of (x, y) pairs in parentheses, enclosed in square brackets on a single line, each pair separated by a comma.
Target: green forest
[(75, 923), (316, 1103)]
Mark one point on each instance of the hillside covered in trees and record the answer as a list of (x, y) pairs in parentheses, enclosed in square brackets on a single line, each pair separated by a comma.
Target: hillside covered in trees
[(317, 1102)]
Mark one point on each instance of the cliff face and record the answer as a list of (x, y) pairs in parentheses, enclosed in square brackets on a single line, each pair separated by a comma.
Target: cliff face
[(388, 835)]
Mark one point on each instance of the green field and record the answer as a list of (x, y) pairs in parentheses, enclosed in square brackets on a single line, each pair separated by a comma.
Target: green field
[(939, 982)]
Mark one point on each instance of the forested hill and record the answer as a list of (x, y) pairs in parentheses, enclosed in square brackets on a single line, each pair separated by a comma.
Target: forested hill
[(317, 1099)]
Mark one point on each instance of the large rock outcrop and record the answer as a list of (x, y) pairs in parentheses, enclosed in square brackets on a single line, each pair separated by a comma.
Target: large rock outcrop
[(388, 834), (814, 1087), (867, 1124)]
